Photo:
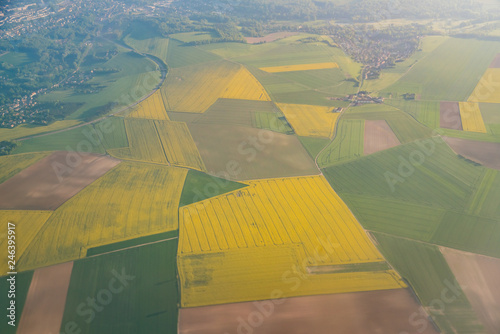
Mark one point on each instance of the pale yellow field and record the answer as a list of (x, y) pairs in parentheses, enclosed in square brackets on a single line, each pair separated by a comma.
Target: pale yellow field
[(261, 231), (163, 142), (144, 142), (472, 120), (488, 88), (310, 121), (10, 165), (130, 201), (28, 224), (300, 67), (244, 86), (150, 108), (179, 145), (196, 88), (26, 130), (269, 272)]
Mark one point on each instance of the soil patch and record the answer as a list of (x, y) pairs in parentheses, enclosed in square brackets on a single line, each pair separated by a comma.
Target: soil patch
[(53, 180), (478, 276), (384, 312), (243, 153), (487, 154), (44, 307), (378, 137), (450, 116)]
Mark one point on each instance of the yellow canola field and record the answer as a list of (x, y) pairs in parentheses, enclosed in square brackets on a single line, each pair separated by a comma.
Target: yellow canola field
[(488, 88), (310, 121), (195, 88), (144, 142), (179, 145), (472, 120), (27, 225), (245, 86), (163, 142), (300, 67), (261, 231), (261, 273), (132, 200), (10, 165), (150, 108)]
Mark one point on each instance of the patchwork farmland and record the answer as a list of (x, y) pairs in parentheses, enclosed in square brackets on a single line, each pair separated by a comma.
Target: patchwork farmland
[(249, 190), (218, 236), (143, 203)]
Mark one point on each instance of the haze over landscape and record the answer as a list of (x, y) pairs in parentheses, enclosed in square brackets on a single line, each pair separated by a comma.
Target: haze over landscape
[(227, 166)]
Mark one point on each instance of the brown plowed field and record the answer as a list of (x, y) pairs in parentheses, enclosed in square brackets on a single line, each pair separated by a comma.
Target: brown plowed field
[(378, 137), (450, 116), (44, 307), (384, 312), (496, 62), (244, 153), (53, 180), (478, 276), (487, 154)]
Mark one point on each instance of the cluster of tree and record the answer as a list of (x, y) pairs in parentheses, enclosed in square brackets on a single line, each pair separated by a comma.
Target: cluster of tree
[(6, 147), (311, 10)]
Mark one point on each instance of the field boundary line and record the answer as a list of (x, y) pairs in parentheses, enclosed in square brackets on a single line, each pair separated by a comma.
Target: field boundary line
[(136, 246)]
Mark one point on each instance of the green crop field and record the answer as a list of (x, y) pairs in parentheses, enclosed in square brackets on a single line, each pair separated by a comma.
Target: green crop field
[(313, 145), (146, 301), (149, 239), (156, 46), (179, 55), (470, 233), (426, 112), (490, 112), (200, 186), (347, 145), (449, 73), (395, 217), (23, 281), (273, 121), (436, 176), (194, 36), (425, 268), (95, 138)]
